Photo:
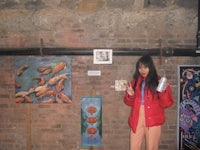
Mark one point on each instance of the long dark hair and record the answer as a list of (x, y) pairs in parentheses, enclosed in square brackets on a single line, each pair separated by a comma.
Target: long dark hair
[(152, 77)]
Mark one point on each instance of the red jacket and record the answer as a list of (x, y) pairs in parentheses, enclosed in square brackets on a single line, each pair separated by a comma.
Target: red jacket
[(154, 105)]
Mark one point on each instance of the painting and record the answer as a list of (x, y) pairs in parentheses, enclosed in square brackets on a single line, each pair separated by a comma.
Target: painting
[(91, 120), (189, 108), (120, 85), (43, 79), (102, 56)]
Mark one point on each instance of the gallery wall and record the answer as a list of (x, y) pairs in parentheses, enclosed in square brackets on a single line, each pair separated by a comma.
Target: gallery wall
[(58, 126), (90, 24)]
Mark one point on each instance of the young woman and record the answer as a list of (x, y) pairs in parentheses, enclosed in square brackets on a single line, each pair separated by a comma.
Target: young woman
[(147, 105)]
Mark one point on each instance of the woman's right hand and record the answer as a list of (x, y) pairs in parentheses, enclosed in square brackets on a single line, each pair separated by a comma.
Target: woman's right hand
[(129, 89)]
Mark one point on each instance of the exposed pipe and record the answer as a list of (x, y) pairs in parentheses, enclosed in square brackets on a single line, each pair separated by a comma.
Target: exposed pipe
[(116, 52)]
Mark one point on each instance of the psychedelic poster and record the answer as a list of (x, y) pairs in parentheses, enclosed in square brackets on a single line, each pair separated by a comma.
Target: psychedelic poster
[(91, 120), (42, 79), (189, 108)]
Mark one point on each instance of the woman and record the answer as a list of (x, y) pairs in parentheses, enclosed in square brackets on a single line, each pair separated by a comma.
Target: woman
[(147, 105)]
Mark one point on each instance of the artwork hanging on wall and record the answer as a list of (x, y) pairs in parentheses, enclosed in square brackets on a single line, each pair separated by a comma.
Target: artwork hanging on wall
[(189, 108), (120, 85), (43, 79), (91, 120), (102, 56)]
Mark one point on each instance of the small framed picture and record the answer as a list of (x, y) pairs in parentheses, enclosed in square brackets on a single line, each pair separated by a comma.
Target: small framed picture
[(102, 56), (120, 85)]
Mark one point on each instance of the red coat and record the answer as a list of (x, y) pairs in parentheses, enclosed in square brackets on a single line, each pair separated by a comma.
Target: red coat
[(154, 106)]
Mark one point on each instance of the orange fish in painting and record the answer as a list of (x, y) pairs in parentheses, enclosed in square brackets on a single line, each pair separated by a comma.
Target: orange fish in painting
[(58, 100), (41, 80), (65, 98), (47, 71), (48, 101), (60, 66), (41, 90), (55, 79), (44, 70), (23, 93), (51, 93), (28, 99), (47, 92), (60, 85), (21, 69), (19, 99)]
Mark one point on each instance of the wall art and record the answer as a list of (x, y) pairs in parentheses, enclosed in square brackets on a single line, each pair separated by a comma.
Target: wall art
[(91, 120), (120, 85), (102, 56), (43, 79), (189, 108)]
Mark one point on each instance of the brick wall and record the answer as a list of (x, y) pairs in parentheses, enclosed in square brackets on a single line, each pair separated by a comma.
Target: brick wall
[(98, 23), (89, 24), (51, 127)]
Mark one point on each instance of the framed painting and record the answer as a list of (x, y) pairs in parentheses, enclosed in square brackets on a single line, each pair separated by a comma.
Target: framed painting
[(42, 79), (102, 56), (91, 120), (189, 108)]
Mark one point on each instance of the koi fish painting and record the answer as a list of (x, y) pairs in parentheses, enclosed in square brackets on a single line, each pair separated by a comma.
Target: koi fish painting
[(189, 108), (91, 121), (43, 79)]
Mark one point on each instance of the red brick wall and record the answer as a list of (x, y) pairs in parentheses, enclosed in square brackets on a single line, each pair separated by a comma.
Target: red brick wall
[(57, 127), (89, 24)]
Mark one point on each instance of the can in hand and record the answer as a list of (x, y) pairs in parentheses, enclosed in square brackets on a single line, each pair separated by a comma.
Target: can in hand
[(162, 84)]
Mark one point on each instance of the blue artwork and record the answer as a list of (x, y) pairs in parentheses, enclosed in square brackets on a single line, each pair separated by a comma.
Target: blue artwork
[(189, 108), (91, 121), (42, 79)]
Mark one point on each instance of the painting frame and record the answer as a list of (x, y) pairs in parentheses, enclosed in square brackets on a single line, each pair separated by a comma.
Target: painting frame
[(102, 56), (188, 122), (43, 79)]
